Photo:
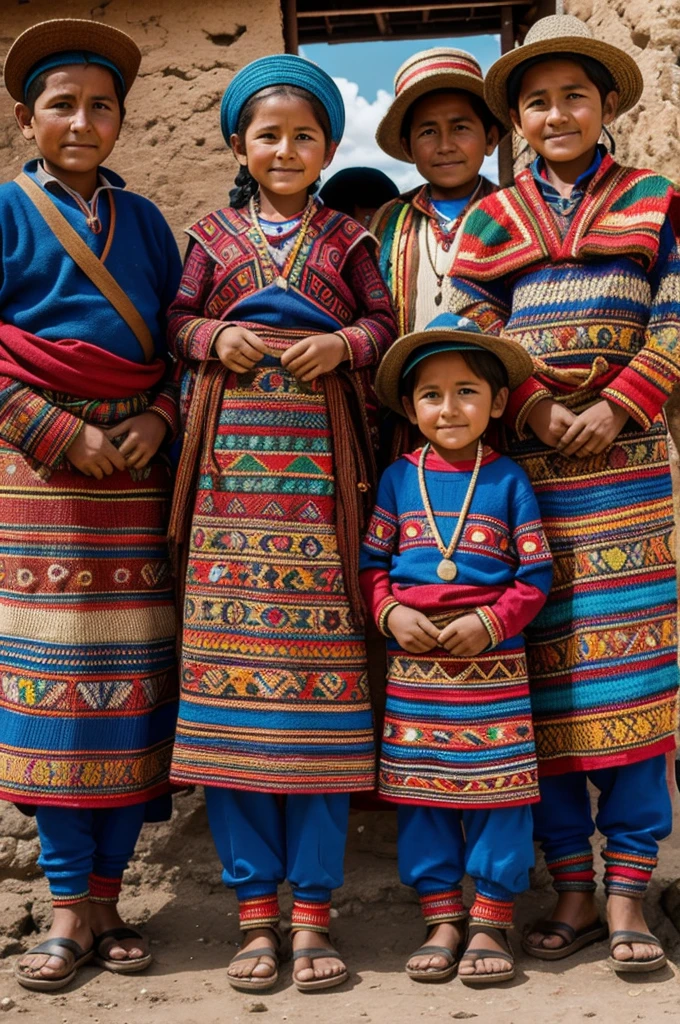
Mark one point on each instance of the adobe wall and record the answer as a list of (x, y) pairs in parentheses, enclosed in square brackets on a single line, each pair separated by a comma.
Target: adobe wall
[(171, 148)]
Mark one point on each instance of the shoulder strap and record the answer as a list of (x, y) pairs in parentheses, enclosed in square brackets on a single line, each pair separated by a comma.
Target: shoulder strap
[(92, 267)]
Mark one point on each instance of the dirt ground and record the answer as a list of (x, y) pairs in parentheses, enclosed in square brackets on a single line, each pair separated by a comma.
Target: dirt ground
[(173, 890)]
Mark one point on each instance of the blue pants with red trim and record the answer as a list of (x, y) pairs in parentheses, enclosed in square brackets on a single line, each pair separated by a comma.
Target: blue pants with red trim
[(77, 843), (634, 812), (438, 845)]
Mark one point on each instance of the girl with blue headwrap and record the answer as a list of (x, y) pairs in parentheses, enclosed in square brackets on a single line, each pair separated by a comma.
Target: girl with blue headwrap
[(280, 320)]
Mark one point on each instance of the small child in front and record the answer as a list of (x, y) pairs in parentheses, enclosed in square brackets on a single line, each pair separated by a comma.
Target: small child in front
[(454, 565)]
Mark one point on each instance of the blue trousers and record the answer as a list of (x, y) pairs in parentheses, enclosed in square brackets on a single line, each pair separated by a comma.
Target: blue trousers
[(262, 839), (634, 812), (438, 845), (76, 843)]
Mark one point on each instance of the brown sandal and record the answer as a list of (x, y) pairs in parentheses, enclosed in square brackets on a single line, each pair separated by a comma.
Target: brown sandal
[(573, 940), (641, 966), (479, 953), (68, 950), (251, 984)]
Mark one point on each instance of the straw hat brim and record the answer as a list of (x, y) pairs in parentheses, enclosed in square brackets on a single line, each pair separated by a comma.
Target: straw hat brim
[(516, 360), (621, 66), (388, 135), (64, 34)]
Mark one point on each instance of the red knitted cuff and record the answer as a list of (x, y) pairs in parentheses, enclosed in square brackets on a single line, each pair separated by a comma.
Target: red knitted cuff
[(259, 912), (493, 913), (70, 901), (105, 890), (313, 917), (442, 906)]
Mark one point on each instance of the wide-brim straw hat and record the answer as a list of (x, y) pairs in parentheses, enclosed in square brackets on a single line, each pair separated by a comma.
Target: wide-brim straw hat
[(440, 68), (457, 330), (62, 35), (563, 33)]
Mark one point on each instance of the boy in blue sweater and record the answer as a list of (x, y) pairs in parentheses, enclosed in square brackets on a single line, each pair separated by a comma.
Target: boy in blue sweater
[(88, 695), (455, 565)]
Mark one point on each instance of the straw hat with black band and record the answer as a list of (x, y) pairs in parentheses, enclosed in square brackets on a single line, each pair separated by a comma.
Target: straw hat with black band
[(563, 33), (447, 332), (79, 41), (428, 71)]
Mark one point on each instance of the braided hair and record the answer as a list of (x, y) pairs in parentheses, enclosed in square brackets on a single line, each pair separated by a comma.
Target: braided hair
[(245, 186)]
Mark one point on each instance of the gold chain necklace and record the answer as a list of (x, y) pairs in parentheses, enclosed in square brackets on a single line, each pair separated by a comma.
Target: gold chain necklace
[(254, 209), (447, 570)]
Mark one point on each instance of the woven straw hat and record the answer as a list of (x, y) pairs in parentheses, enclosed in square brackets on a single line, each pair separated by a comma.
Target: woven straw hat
[(563, 33), (61, 35), (458, 331), (440, 68)]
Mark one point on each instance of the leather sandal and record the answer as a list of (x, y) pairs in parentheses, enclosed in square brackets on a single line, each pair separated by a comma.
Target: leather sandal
[(68, 950), (434, 974), (255, 984), (573, 940), (480, 953), (642, 965), (109, 939), (317, 953)]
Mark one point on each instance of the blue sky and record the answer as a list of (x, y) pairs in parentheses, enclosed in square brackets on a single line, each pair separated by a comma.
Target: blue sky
[(365, 74)]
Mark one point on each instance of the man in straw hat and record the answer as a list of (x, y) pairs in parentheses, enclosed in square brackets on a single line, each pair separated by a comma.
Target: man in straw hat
[(439, 121), (579, 261), (88, 702), (454, 565)]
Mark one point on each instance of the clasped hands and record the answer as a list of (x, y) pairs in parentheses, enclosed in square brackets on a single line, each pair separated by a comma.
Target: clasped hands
[(466, 636), (587, 434), (94, 453), (240, 350)]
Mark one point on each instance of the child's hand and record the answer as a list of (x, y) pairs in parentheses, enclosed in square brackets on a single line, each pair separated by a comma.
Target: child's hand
[(93, 454), (466, 636), (594, 430), (145, 434), (239, 349), (412, 630), (550, 421), (309, 358)]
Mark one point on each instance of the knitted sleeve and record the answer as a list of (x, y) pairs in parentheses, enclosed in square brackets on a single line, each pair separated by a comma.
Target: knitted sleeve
[(191, 335), (39, 429), (646, 382), (371, 334), (489, 306), (381, 540)]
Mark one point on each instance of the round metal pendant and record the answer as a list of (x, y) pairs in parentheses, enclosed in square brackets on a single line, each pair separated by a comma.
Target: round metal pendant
[(446, 570)]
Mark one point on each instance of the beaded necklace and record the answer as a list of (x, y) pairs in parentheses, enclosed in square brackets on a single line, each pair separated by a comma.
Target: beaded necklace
[(447, 569)]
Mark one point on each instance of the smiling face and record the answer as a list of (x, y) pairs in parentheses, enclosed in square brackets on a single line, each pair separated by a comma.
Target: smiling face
[(452, 405), (447, 141), (75, 123), (284, 149), (560, 112)]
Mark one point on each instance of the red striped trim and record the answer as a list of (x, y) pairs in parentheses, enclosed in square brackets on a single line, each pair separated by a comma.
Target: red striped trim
[(313, 917), (494, 913), (466, 67), (259, 912), (443, 906), (70, 901), (105, 890)]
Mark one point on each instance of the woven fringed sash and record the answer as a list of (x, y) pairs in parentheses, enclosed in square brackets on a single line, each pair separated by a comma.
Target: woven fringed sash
[(353, 466)]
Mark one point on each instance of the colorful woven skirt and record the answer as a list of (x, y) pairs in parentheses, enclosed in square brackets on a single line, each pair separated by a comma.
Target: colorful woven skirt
[(458, 732), (602, 653), (274, 692), (88, 682)]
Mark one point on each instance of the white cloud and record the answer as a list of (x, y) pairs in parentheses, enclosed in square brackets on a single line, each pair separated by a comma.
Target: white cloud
[(359, 148)]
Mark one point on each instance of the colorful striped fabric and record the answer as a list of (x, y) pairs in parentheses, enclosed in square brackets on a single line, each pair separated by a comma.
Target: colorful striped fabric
[(274, 686), (88, 684), (599, 310)]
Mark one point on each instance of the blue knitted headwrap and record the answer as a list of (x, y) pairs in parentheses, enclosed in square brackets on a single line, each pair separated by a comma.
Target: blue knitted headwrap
[(281, 69), (58, 60)]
